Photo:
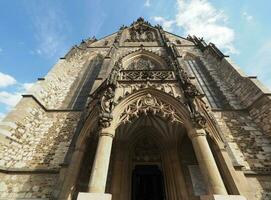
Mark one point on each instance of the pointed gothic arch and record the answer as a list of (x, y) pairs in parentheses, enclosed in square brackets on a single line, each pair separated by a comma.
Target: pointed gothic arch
[(159, 60), (165, 105), (162, 136), (154, 101), (149, 98)]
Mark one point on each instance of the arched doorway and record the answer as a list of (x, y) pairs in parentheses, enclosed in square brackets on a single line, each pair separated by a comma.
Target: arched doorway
[(145, 161), (147, 177), (147, 183), (152, 114)]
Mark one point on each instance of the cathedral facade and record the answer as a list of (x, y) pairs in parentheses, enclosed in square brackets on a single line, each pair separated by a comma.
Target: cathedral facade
[(141, 114)]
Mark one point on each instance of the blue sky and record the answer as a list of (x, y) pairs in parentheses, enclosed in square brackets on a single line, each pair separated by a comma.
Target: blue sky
[(35, 33)]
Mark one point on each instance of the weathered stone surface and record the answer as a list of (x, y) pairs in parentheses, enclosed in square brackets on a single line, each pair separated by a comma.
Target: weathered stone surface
[(223, 197), (35, 186), (261, 186), (94, 196), (246, 140)]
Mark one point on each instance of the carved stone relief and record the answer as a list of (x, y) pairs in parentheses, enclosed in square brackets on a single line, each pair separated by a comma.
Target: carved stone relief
[(107, 105), (170, 88), (149, 104), (142, 63), (141, 32), (193, 97), (147, 75)]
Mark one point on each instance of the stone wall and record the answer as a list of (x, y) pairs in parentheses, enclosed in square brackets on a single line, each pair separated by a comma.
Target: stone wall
[(211, 66), (261, 112), (261, 186), (243, 92), (38, 131), (27, 187), (248, 143), (36, 135), (40, 139), (57, 84), (247, 125)]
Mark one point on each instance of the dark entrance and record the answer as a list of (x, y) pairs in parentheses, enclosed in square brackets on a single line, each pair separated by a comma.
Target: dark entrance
[(147, 183)]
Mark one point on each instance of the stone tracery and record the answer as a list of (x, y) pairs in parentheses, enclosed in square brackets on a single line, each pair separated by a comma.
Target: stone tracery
[(142, 63), (149, 104), (128, 75)]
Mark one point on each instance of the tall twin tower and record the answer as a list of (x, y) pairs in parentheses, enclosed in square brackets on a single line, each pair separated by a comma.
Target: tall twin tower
[(141, 114)]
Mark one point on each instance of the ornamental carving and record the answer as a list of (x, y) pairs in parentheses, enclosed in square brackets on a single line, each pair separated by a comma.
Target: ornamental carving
[(142, 64), (191, 91), (149, 104), (141, 34), (140, 21), (114, 75), (199, 120), (131, 75), (140, 31), (107, 105), (192, 96)]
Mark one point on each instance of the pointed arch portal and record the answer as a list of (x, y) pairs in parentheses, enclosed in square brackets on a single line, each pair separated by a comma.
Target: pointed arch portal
[(148, 146), (145, 158), (151, 130)]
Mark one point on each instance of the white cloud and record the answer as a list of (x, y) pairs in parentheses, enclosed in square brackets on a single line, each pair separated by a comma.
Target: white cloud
[(147, 3), (10, 96), (9, 99), (6, 80), (27, 86), (247, 16), (201, 18), (166, 24)]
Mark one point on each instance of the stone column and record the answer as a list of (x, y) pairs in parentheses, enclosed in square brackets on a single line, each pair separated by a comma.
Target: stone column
[(100, 166), (207, 162)]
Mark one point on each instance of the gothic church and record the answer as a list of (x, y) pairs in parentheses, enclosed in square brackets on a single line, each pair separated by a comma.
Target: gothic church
[(141, 114)]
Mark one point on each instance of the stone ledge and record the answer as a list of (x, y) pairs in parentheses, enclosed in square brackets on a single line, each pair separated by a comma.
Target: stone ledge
[(28, 170), (17, 198), (46, 109), (93, 196), (223, 197), (263, 172)]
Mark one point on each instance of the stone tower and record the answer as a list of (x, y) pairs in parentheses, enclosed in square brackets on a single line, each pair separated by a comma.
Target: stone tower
[(141, 114)]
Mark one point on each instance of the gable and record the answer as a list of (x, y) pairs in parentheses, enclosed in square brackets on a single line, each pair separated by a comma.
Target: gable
[(105, 41), (177, 40)]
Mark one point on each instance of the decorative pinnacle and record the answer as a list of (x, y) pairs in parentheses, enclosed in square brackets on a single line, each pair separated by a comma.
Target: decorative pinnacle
[(140, 20)]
